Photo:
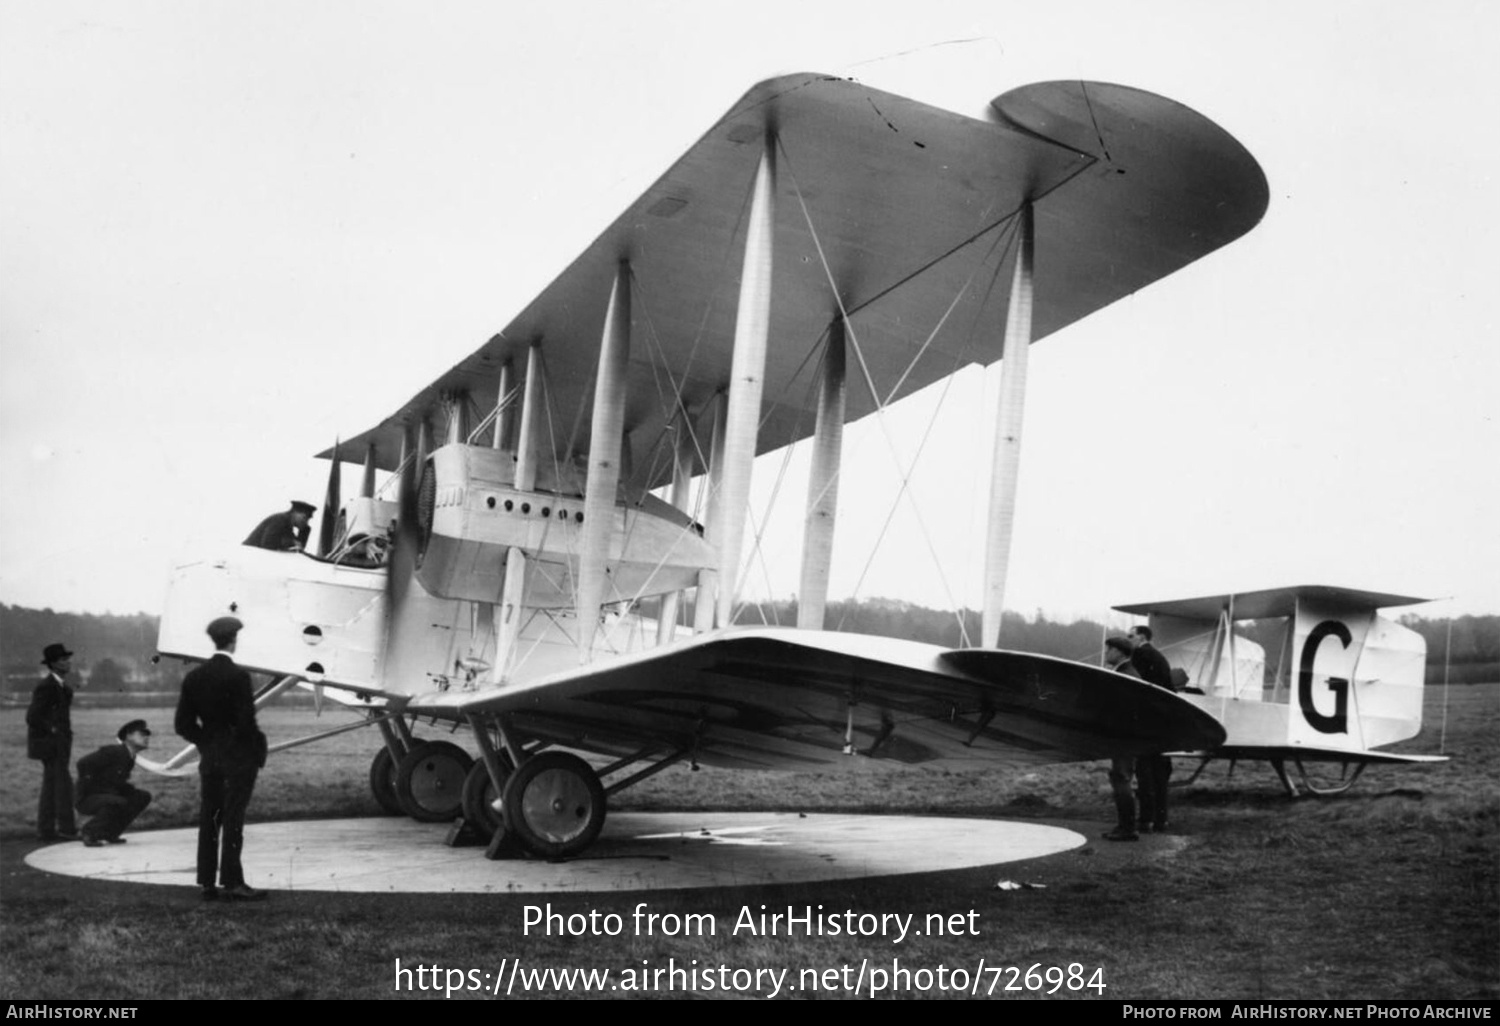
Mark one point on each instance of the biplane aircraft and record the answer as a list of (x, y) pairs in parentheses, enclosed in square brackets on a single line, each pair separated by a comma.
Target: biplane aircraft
[(1343, 681), (568, 505)]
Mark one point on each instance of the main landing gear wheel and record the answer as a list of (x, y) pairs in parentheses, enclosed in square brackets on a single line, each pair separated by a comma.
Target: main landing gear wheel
[(554, 805), (383, 783), (430, 781), (480, 798)]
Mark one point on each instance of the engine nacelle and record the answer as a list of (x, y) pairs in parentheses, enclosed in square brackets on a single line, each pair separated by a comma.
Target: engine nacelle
[(471, 515)]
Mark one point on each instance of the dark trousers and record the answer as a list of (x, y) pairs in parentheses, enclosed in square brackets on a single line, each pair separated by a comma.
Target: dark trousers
[(221, 819), (1120, 772), (1151, 775), (112, 813), (54, 809)]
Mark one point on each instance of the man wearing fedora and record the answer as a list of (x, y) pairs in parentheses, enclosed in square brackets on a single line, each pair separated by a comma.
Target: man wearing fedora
[(104, 788), (216, 712), (286, 531), (49, 740)]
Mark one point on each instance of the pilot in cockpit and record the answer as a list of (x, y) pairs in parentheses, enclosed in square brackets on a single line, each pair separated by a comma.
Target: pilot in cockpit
[(284, 532)]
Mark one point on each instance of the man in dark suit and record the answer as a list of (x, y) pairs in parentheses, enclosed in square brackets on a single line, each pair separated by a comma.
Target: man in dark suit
[(1121, 767), (216, 712), (1148, 660), (284, 532), (49, 740), (1152, 772), (104, 788)]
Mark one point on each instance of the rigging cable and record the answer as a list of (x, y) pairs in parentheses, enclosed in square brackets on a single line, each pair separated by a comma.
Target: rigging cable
[(1447, 656), (903, 472)]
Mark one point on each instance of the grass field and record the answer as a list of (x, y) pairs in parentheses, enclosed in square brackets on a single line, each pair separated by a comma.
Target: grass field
[(1387, 892)]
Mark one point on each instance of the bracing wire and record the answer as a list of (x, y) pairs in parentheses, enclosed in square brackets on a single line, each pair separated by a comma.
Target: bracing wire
[(875, 395), (1447, 656)]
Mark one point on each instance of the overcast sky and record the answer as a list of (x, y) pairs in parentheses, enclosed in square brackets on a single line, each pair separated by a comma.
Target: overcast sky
[(232, 231)]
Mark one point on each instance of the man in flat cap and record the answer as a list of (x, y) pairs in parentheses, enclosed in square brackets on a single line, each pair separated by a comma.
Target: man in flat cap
[(104, 788), (49, 740), (217, 713), (284, 532)]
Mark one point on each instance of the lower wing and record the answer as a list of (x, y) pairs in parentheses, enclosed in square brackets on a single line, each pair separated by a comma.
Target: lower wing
[(779, 698)]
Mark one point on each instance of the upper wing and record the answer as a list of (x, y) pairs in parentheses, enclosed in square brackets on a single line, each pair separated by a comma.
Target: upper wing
[(896, 213), (780, 698), (1272, 602)]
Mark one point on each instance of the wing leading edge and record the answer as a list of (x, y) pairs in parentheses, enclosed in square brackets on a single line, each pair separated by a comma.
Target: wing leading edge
[(780, 698), (911, 209)]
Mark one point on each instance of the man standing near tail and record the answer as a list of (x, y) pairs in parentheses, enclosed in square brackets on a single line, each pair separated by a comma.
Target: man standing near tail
[(1152, 772), (1121, 768)]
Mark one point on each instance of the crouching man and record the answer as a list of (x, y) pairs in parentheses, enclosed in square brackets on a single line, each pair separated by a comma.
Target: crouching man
[(104, 789)]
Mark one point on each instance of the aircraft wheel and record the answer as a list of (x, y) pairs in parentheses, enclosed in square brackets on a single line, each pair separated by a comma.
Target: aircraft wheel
[(430, 781), (554, 805), (383, 782), (480, 798)]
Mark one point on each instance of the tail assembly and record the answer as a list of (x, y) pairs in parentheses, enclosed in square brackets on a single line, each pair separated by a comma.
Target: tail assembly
[(1331, 680)]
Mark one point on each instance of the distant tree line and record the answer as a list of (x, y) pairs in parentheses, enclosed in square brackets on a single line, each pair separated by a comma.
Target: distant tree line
[(114, 653), (111, 653), (1466, 648)]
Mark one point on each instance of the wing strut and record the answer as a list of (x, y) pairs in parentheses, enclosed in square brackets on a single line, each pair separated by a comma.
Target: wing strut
[(708, 580), (682, 481), (456, 406), (1008, 418), (507, 615), (823, 484), (367, 480), (605, 433), (752, 327), (1234, 677), (504, 414)]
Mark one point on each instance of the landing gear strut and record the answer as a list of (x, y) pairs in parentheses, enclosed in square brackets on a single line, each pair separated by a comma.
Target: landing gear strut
[(383, 782), (481, 799)]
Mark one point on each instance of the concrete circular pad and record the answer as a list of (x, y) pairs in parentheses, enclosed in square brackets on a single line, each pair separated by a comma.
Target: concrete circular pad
[(637, 851)]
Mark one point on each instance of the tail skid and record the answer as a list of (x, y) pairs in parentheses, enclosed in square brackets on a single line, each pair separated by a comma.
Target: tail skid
[(1350, 766)]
